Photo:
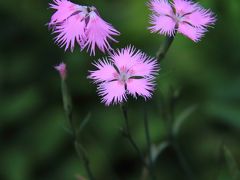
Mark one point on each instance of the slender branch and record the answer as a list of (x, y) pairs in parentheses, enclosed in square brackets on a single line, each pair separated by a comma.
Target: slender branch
[(128, 135), (150, 157), (160, 56), (67, 103), (171, 110), (183, 160), (164, 47), (173, 139), (82, 154)]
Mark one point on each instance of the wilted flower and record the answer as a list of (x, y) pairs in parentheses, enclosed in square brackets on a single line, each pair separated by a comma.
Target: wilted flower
[(80, 24), (62, 69), (127, 71), (183, 16)]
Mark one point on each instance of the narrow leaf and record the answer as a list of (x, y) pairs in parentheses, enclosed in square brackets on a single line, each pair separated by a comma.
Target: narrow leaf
[(182, 118), (157, 150), (84, 123), (232, 164)]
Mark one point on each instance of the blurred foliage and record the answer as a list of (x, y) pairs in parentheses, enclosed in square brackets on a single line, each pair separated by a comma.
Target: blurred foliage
[(34, 142)]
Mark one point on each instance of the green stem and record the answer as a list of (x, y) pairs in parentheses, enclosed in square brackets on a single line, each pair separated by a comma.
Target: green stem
[(182, 160), (128, 135), (164, 47), (82, 154), (147, 133), (173, 139), (160, 56), (171, 114), (67, 104)]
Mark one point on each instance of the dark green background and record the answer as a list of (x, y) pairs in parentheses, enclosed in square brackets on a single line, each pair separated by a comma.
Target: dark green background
[(34, 142)]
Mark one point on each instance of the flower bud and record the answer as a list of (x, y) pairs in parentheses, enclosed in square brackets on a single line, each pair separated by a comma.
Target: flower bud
[(62, 69)]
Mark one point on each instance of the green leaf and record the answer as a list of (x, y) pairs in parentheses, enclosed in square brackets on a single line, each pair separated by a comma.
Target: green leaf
[(157, 150), (231, 163), (84, 123), (182, 118)]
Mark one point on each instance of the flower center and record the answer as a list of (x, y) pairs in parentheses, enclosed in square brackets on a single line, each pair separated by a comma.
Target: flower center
[(178, 17), (124, 75)]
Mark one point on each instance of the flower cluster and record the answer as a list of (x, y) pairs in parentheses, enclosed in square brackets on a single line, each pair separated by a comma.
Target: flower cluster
[(80, 24), (127, 71), (182, 16)]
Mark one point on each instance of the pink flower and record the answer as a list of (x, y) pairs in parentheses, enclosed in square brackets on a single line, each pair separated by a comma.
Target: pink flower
[(98, 33), (62, 69), (64, 9), (82, 25), (182, 16), (127, 71), (71, 30)]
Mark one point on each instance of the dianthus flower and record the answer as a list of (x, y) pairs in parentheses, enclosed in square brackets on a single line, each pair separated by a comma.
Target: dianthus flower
[(126, 71), (182, 16), (74, 23)]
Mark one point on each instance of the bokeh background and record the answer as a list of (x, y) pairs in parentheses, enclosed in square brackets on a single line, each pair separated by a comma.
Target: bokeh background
[(35, 143)]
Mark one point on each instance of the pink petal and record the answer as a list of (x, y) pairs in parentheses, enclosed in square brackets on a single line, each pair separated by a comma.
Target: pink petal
[(147, 68), (99, 33), (141, 87), (105, 72), (70, 31), (163, 25), (201, 17), (112, 92), (126, 57), (184, 6), (160, 7), (191, 32), (64, 9)]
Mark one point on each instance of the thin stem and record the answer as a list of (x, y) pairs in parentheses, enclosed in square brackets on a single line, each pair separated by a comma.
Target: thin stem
[(182, 160), (220, 161), (82, 154), (147, 133), (128, 135), (164, 47), (171, 115), (160, 56), (67, 103), (173, 138)]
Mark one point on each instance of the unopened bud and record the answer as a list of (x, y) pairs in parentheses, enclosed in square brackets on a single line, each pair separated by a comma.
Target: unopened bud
[(62, 69)]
